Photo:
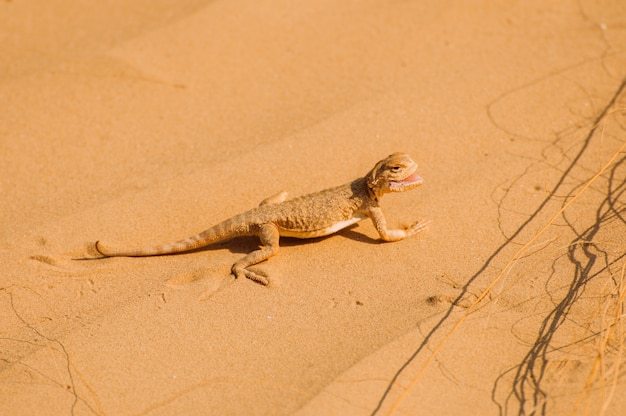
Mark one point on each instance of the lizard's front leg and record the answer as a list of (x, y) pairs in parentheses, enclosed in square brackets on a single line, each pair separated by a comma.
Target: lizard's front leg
[(378, 218), (269, 236), (275, 199)]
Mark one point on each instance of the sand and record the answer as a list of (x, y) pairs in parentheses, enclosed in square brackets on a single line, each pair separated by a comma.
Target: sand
[(139, 122)]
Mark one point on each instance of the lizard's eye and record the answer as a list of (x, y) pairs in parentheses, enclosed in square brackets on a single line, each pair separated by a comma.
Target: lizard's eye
[(395, 168)]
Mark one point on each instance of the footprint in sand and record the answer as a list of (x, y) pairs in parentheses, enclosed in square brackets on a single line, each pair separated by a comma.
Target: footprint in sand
[(204, 273), (42, 258), (63, 263), (189, 277)]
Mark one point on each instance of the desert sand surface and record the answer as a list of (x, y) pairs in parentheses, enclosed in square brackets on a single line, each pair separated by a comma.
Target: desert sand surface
[(138, 122)]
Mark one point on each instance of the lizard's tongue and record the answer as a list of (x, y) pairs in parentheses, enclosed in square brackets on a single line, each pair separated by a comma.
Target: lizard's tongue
[(409, 182), (412, 179)]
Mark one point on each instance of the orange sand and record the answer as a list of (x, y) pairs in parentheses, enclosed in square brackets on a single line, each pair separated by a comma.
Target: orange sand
[(140, 122)]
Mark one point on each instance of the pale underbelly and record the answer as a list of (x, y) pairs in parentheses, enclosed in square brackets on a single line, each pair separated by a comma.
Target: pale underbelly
[(324, 231)]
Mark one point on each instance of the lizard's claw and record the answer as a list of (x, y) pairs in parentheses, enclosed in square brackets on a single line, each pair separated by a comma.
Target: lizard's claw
[(241, 273), (417, 227), (255, 277)]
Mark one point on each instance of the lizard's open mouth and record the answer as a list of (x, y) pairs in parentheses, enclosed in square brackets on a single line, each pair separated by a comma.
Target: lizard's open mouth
[(409, 182)]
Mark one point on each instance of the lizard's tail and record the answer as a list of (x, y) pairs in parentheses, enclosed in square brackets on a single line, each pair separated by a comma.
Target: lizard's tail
[(177, 247), (218, 233)]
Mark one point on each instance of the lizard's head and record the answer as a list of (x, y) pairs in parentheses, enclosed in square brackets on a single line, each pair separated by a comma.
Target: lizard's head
[(395, 173)]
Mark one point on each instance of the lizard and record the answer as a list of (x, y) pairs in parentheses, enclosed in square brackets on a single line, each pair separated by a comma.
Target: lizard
[(313, 215)]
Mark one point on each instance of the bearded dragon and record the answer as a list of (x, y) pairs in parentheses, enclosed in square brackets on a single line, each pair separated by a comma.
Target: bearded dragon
[(313, 215)]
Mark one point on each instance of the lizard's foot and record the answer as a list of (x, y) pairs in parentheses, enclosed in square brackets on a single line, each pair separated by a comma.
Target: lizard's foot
[(241, 272), (417, 227)]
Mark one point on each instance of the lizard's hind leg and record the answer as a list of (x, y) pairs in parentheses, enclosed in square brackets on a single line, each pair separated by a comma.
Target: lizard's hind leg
[(269, 236)]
